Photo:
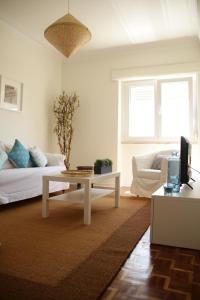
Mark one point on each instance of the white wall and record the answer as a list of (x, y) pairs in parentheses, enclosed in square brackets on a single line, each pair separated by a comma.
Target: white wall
[(39, 69), (96, 124), (95, 134)]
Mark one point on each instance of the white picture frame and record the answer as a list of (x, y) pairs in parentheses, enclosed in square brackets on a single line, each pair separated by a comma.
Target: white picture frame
[(10, 94)]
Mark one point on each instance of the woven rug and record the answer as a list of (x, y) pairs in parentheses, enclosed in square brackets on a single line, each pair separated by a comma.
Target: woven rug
[(59, 257)]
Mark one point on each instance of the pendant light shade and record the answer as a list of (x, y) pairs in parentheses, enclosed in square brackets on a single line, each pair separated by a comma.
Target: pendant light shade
[(67, 35)]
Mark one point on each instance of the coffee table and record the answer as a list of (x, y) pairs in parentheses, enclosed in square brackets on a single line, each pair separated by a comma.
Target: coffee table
[(84, 195)]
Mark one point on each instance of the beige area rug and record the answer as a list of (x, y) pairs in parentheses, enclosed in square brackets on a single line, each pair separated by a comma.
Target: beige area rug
[(59, 257)]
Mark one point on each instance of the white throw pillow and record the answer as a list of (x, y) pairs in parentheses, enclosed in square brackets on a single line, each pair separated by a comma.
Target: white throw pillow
[(55, 159), (7, 164), (8, 147), (3, 158), (5, 147), (2, 146), (38, 157)]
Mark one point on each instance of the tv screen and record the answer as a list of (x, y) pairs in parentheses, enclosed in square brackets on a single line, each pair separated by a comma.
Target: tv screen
[(185, 161)]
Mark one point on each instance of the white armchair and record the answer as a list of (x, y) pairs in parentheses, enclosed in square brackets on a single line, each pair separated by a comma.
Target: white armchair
[(149, 172)]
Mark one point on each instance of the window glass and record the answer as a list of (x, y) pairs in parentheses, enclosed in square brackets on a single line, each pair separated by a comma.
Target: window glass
[(141, 111), (174, 109)]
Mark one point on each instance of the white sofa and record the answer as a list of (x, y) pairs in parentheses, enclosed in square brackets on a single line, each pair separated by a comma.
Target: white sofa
[(147, 179), (23, 183)]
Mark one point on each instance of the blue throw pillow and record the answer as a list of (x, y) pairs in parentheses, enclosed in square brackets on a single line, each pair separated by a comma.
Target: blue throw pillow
[(19, 155), (3, 158)]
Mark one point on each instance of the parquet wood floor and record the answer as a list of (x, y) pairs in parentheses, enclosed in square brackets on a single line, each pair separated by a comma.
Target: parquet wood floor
[(157, 272)]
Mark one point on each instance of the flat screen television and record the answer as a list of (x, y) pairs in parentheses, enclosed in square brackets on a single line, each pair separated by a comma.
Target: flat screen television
[(185, 161)]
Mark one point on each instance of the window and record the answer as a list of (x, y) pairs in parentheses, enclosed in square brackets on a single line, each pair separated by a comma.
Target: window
[(141, 103), (159, 110)]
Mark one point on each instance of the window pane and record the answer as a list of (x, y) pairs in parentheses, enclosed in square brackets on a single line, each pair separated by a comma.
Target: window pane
[(174, 109), (141, 111)]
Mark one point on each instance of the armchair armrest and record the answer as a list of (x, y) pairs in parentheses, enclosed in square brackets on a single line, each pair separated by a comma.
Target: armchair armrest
[(141, 162), (134, 167), (55, 159)]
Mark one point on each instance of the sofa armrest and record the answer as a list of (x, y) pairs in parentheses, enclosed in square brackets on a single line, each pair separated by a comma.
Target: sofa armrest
[(55, 159)]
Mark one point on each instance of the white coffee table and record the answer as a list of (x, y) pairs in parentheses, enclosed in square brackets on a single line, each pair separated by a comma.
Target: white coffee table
[(84, 195)]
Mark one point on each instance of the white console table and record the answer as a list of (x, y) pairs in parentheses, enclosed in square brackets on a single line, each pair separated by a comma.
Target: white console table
[(175, 218)]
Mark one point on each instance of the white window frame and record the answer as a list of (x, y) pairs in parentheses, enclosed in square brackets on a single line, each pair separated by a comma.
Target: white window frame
[(157, 82)]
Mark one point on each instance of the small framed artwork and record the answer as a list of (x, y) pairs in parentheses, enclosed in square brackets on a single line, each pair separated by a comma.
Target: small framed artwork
[(10, 94)]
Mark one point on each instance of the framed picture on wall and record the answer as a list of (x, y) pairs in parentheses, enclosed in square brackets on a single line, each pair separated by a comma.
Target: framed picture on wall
[(10, 94)]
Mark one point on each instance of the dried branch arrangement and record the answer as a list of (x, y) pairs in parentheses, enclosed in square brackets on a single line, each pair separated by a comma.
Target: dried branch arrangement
[(64, 108)]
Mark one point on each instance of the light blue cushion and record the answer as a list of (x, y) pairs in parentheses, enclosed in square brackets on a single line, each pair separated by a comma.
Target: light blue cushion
[(19, 155), (3, 158), (38, 157)]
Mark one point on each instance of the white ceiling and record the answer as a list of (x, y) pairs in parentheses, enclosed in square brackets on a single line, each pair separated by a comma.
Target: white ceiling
[(113, 23)]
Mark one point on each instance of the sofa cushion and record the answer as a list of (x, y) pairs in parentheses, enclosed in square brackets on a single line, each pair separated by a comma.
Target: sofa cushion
[(3, 158), (38, 157), (18, 184), (19, 155)]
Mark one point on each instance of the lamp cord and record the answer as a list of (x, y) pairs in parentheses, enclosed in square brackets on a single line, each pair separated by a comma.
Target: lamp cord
[(68, 6)]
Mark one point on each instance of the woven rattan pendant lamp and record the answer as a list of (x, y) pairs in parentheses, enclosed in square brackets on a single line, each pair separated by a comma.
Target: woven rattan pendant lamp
[(67, 34)]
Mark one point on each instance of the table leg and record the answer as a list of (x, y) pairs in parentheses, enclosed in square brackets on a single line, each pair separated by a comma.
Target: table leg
[(117, 191), (45, 196), (87, 204)]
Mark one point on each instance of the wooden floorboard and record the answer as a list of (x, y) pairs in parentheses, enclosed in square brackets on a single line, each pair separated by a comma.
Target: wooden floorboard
[(157, 272)]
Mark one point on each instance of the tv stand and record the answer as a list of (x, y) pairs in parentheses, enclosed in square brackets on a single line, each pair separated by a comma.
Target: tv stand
[(189, 185), (175, 217)]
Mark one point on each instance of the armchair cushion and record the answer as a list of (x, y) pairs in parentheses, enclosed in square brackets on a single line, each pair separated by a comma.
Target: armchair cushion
[(157, 162), (144, 161)]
